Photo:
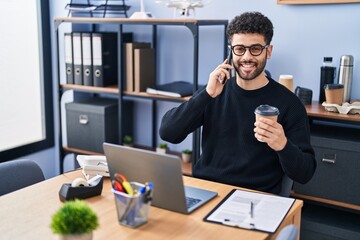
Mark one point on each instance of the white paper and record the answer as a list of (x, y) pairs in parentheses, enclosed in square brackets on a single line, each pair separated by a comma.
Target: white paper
[(268, 211)]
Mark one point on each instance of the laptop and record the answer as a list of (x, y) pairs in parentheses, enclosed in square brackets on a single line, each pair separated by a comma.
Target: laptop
[(163, 170)]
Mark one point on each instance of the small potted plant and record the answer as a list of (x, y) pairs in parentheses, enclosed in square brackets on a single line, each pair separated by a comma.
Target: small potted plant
[(75, 220), (128, 141), (186, 155), (162, 148)]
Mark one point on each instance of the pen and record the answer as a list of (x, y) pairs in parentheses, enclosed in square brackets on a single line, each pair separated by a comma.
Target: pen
[(251, 209), (146, 190), (252, 224)]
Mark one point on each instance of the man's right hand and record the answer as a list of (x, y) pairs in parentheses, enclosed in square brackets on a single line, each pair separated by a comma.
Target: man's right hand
[(218, 78)]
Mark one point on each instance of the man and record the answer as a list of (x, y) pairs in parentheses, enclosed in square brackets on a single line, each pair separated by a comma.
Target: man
[(235, 149)]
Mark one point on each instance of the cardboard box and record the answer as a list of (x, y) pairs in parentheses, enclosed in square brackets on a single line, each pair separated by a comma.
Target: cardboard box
[(92, 122)]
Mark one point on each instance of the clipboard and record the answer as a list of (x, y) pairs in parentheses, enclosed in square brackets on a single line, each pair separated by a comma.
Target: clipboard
[(251, 210)]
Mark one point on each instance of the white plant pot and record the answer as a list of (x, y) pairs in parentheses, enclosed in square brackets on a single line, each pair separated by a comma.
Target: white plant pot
[(161, 150), (87, 236), (186, 157)]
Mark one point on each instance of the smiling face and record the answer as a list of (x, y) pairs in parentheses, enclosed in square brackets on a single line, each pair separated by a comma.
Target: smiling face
[(247, 66)]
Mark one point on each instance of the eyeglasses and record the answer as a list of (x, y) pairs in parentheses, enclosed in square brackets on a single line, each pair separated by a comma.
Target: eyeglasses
[(255, 49)]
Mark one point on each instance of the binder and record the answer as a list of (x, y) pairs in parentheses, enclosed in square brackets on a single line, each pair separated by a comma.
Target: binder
[(87, 59), (105, 57), (144, 69), (129, 62), (77, 58), (69, 68), (105, 61)]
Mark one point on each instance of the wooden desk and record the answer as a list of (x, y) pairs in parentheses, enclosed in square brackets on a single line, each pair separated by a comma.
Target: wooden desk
[(26, 214), (317, 111)]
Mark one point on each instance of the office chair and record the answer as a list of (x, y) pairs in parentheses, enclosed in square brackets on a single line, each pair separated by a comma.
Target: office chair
[(290, 232), (286, 186), (18, 174), (267, 73)]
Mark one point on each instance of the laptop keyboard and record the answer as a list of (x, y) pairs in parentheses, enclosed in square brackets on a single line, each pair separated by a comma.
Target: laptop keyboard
[(191, 201)]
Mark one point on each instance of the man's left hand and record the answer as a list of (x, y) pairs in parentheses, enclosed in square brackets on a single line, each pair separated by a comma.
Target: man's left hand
[(271, 132)]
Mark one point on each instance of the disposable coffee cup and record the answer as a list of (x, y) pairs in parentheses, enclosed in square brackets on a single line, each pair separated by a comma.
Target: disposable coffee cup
[(266, 111), (334, 93), (287, 81)]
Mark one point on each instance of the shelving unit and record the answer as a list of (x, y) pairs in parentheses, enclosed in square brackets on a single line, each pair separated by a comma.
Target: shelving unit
[(192, 24)]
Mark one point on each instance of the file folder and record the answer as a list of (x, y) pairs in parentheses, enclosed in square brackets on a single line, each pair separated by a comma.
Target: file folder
[(69, 68), (77, 58), (87, 59), (105, 61), (105, 57)]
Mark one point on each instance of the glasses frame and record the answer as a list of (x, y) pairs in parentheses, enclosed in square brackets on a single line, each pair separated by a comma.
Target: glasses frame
[(249, 47)]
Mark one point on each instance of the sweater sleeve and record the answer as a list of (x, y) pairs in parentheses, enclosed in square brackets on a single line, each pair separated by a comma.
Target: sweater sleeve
[(178, 122), (298, 158)]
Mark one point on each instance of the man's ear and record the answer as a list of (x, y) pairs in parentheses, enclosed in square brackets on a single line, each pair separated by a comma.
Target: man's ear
[(269, 51)]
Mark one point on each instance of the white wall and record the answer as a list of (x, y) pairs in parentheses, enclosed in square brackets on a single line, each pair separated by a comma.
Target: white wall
[(303, 35)]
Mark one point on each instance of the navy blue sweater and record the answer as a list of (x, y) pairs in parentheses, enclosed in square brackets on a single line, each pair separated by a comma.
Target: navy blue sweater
[(230, 152)]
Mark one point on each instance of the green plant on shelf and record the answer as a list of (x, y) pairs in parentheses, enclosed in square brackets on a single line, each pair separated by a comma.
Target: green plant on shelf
[(128, 140), (187, 151), (163, 146), (186, 155)]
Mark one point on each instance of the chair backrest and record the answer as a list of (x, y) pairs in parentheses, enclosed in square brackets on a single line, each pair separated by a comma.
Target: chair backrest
[(267, 72), (286, 186), (17, 174), (290, 232)]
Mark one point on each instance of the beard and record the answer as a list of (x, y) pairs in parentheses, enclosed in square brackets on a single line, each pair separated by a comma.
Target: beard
[(259, 68)]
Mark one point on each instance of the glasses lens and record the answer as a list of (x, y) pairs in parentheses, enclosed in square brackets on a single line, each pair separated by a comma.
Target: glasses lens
[(256, 50), (239, 50)]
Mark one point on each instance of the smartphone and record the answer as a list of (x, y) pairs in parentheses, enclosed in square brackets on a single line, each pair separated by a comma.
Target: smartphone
[(229, 58)]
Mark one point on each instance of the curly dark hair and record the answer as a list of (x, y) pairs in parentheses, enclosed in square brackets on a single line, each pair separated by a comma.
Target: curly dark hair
[(251, 22)]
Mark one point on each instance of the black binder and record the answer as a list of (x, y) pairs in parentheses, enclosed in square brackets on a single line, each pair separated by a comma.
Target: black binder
[(105, 57), (105, 61), (68, 58), (87, 59), (77, 58)]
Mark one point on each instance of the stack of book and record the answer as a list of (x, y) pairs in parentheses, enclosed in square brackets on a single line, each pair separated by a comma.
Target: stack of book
[(140, 66)]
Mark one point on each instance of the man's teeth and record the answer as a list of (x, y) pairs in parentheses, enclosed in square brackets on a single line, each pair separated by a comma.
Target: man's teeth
[(248, 64)]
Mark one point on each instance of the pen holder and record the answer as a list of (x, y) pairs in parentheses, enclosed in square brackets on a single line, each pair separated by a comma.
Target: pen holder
[(133, 210)]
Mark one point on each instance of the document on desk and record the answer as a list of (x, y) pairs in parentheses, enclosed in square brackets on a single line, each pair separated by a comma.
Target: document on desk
[(251, 210)]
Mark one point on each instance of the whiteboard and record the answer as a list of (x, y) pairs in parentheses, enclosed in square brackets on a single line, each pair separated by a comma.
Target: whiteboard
[(22, 110)]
